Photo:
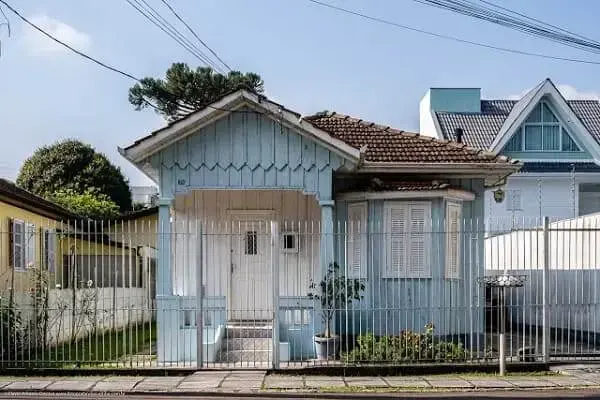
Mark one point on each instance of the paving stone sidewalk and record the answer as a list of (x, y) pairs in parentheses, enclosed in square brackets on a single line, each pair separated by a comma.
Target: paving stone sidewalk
[(260, 382)]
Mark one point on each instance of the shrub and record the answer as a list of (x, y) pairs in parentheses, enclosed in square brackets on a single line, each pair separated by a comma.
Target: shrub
[(11, 333), (407, 346)]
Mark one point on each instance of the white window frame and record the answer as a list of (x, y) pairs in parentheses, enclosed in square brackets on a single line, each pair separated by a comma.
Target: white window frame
[(31, 242), (353, 227), (387, 224), (290, 250), (19, 246), (559, 124), (453, 266)]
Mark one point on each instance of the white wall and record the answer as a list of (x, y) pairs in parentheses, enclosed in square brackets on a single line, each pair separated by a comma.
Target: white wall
[(211, 210), (554, 198), (426, 124), (113, 308)]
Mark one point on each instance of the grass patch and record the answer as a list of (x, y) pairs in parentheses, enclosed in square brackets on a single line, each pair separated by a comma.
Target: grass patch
[(109, 347)]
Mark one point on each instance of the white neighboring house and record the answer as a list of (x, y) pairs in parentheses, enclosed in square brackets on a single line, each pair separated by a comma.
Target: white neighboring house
[(146, 195), (556, 139)]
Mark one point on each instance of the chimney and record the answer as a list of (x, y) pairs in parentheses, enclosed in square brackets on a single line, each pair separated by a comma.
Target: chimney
[(458, 132)]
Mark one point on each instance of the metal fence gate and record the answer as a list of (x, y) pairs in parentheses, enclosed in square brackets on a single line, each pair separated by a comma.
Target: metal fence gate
[(259, 293)]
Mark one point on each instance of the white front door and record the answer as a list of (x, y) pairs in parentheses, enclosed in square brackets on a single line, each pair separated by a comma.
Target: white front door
[(251, 286)]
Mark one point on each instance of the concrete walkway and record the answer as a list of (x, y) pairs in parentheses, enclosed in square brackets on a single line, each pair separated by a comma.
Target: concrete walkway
[(255, 382)]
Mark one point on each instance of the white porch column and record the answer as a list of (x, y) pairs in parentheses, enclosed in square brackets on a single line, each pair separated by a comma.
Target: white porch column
[(327, 256), (164, 284), (166, 304)]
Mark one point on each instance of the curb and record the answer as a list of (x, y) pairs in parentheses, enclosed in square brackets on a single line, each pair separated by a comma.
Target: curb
[(294, 394)]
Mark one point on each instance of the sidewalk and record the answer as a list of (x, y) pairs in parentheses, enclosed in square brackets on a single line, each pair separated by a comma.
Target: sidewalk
[(258, 382)]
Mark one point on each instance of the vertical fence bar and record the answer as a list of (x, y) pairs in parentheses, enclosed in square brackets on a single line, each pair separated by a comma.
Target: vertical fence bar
[(199, 298), (275, 274), (546, 293)]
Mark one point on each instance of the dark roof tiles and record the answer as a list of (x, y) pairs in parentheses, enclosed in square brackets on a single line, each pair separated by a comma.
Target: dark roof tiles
[(480, 129)]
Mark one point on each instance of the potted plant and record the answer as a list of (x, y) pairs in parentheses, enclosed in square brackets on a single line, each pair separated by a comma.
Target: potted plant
[(334, 292)]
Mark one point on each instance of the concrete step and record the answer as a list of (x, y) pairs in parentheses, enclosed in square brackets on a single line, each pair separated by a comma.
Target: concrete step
[(236, 331), (246, 355), (230, 344)]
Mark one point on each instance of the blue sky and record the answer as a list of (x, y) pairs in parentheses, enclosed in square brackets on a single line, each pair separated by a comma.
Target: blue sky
[(311, 59)]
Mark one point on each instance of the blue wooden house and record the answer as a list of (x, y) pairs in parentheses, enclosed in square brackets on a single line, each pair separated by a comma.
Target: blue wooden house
[(256, 201)]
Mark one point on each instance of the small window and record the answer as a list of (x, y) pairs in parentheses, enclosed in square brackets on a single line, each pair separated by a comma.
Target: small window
[(251, 243), (290, 243), (189, 319), (18, 244)]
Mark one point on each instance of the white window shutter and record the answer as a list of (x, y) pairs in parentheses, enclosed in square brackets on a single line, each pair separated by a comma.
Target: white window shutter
[(419, 231), (395, 227), (453, 242), (18, 239), (357, 241), (50, 249), (30, 241)]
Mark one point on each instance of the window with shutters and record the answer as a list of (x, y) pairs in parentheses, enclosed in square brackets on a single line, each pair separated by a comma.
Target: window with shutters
[(453, 240), (49, 249), (18, 244), (357, 241), (407, 227)]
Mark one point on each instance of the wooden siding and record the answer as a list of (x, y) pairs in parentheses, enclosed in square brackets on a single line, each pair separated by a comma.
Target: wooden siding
[(293, 210), (397, 300), (246, 151)]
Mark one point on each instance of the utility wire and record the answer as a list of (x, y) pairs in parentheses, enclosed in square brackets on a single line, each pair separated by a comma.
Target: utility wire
[(448, 37), (525, 24), (89, 58), (148, 12), (533, 19), (195, 34), (107, 66)]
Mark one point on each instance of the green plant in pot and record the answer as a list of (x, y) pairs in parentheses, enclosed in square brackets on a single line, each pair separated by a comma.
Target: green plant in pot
[(334, 292)]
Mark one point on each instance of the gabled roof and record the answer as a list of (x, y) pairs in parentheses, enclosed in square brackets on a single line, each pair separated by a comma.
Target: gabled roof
[(362, 142), (484, 129), (12, 194), (385, 144)]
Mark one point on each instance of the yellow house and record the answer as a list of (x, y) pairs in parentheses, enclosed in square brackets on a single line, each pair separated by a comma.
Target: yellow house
[(37, 233)]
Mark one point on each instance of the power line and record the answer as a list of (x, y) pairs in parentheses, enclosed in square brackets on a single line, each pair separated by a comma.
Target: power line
[(109, 67), (453, 38), (507, 19), (89, 58), (148, 12), (195, 34)]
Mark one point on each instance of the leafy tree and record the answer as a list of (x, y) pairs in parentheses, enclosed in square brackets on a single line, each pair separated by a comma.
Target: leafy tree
[(89, 204), (185, 90), (73, 165)]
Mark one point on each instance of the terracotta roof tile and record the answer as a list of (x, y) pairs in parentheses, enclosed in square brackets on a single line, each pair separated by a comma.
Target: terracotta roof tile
[(385, 144)]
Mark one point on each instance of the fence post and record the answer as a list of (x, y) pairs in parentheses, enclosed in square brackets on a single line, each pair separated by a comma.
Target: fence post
[(199, 298), (275, 273), (546, 293)]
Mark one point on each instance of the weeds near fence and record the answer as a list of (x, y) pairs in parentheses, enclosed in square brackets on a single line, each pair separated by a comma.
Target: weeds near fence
[(408, 346)]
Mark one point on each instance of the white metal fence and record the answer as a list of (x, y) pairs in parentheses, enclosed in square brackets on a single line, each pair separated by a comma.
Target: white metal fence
[(84, 294)]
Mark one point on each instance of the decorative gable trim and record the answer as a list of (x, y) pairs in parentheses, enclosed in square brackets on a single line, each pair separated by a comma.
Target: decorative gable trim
[(525, 106), (142, 149)]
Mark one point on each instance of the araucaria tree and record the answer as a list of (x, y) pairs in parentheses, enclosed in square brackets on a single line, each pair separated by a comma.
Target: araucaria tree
[(185, 90), (77, 168)]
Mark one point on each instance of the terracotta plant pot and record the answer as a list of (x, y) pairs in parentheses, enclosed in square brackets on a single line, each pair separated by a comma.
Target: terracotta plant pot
[(327, 348)]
